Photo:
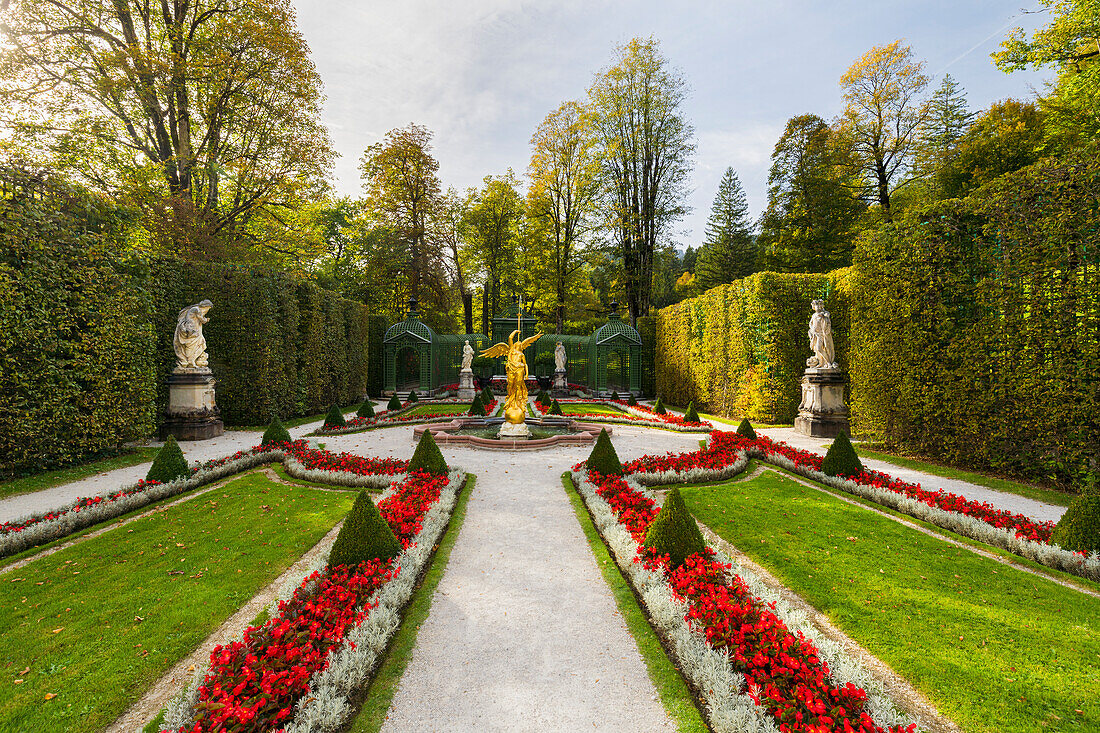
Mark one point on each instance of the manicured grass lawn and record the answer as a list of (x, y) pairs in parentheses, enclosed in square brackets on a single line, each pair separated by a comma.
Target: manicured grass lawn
[(429, 408), (48, 479), (1050, 496), (736, 422), (380, 692), (96, 624), (675, 695), (348, 410), (994, 648), (579, 408)]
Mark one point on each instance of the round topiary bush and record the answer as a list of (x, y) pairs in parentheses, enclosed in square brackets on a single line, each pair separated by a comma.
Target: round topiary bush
[(1079, 528), (555, 408), (630, 400), (169, 464), (413, 396), (364, 536), (841, 458), (477, 409), (366, 409), (603, 459), (745, 429), (659, 407), (691, 415), (674, 532), (335, 418), (394, 403), (275, 433), (427, 456)]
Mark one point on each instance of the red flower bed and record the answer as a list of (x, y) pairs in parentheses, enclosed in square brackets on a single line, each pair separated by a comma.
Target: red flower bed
[(668, 419)]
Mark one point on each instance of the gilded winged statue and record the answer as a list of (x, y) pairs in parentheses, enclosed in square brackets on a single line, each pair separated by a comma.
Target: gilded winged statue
[(515, 406)]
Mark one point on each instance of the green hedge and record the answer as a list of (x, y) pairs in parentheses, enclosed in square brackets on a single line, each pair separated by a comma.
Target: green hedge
[(76, 346), (740, 349), (977, 325)]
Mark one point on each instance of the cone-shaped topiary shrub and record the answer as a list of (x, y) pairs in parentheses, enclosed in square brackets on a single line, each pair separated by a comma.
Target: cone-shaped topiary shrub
[(631, 401), (615, 395), (659, 407), (674, 532), (745, 429), (542, 398), (169, 464), (691, 415), (364, 536), (427, 456), (413, 396), (1079, 528), (335, 418), (275, 433), (555, 408), (394, 403), (477, 409), (603, 459), (486, 395), (366, 409), (841, 459)]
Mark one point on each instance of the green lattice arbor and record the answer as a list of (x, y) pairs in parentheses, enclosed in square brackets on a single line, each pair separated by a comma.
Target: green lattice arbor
[(416, 357)]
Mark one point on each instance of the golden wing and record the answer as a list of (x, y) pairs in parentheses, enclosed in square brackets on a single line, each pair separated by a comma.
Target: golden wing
[(496, 350), (528, 341)]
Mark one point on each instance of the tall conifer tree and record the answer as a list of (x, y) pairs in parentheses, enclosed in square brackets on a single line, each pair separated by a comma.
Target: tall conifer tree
[(729, 251)]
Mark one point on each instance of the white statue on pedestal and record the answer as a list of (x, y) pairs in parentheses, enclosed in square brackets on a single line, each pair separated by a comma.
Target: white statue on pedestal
[(467, 356), (821, 338), (559, 357), (188, 342)]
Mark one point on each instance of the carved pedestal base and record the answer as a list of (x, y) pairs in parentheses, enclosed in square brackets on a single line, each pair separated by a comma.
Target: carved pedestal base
[(561, 387), (192, 413), (823, 413), (466, 385), (515, 431)]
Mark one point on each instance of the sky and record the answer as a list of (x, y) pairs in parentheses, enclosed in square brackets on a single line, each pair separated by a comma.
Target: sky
[(482, 75)]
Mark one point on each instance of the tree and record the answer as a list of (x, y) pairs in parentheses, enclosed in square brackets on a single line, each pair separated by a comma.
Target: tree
[(729, 251), (883, 116), (646, 149), (1006, 137), (810, 221), (451, 231), (564, 175), (205, 112), (493, 219), (948, 119), (403, 192)]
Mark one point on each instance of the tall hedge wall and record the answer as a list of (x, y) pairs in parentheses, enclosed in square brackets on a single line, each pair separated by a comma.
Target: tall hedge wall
[(76, 343), (647, 329), (976, 331), (740, 349)]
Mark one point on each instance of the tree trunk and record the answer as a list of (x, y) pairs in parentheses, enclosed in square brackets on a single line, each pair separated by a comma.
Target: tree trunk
[(468, 310)]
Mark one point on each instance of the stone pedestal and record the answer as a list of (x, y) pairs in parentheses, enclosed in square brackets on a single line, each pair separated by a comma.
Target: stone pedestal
[(466, 385), (192, 413), (515, 431), (561, 387), (823, 412)]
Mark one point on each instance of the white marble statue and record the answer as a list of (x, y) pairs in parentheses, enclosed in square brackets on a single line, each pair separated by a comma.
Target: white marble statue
[(189, 343), (559, 357), (467, 356), (821, 338)]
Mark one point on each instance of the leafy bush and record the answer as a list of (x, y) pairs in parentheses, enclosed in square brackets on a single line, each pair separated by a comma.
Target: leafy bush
[(427, 456), (364, 536), (477, 409), (841, 458), (745, 429), (674, 532), (169, 464), (275, 433), (603, 459), (366, 409), (394, 403), (1079, 528), (659, 407), (691, 415), (335, 418), (413, 396), (555, 408)]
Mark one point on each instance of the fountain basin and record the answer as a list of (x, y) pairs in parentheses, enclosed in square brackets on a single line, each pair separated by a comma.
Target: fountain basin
[(480, 432)]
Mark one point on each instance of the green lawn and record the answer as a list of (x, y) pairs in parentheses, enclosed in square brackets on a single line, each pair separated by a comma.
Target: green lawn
[(49, 479), (97, 623), (579, 408), (348, 410), (735, 422), (429, 408), (994, 648), (1050, 496)]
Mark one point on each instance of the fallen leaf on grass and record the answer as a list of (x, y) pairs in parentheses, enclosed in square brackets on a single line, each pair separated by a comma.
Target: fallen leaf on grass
[(18, 682), (58, 630), (51, 695), (175, 572), (28, 669)]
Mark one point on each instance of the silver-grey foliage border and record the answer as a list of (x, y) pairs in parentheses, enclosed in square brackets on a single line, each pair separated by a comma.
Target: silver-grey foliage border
[(326, 707), (729, 708), (49, 530), (650, 417), (386, 420)]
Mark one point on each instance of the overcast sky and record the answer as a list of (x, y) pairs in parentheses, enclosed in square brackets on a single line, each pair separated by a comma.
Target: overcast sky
[(482, 75)]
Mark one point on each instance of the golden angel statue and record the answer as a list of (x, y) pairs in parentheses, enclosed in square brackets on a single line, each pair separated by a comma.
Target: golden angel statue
[(515, 406)]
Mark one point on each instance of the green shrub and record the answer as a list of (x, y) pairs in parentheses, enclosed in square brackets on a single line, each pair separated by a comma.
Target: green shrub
[(615, 395), (630, 400), (335, 418), (555, 408), (691, 415), (427, 456), (841, 458), (275, 433), (674, 532), (1079, 528), (366, 409), (169, 464), (745, 429), (477, 409), (543, 398), (364, 536), (486, 395), (603, 459), (413, 396), (394, 403), (659, 407)]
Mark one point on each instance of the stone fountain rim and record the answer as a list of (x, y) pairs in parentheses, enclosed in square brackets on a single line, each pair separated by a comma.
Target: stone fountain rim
[(586, 435)]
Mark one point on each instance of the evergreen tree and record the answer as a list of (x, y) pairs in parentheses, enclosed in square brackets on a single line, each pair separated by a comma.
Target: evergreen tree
[(729, 251), (169, 463), (947, 121)]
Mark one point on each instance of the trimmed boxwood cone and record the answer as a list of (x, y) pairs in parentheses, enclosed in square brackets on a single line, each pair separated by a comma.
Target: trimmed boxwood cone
[(364, 536), (1079, 528), (603, 459), (745, 429), (413, 396), (366, 409), (555, 408), (691, 415), (275, 433), (427, 456), (659, 407), (615, 395), (169, 464), (631, 401), (335, 418), (841, 459), (674, 532), (394, 403), (477, 409)]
